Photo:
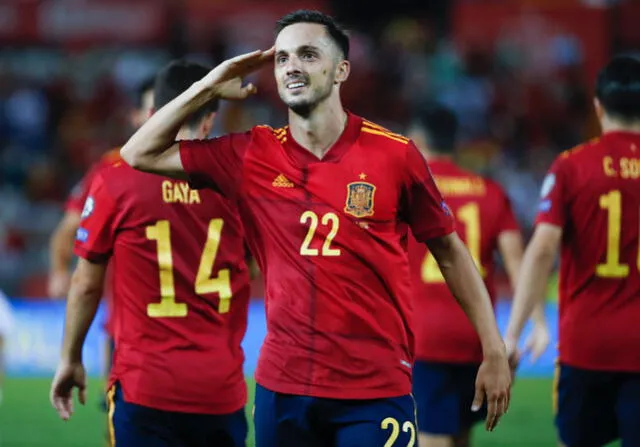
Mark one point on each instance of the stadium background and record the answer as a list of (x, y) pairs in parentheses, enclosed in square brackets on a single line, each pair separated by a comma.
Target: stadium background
[(518, 73)]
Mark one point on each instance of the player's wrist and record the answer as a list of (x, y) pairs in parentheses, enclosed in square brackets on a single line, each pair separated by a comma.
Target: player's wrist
[(495, 350)]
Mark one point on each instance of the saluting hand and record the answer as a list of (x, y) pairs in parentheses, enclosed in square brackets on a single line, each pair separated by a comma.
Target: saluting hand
[(226, 79)]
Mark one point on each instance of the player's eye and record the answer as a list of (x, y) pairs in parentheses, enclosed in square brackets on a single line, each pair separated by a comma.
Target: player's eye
[(308, 56), (281, 59)]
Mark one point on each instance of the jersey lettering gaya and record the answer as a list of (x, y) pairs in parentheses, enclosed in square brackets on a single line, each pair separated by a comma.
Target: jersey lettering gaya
[(330, 237), (593, 193), (483, 212), (181, 289)]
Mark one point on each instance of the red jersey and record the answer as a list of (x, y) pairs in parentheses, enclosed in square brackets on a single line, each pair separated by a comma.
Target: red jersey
[(593, 193), (75, 203), (483, 212), (181, 289), (330, 237)]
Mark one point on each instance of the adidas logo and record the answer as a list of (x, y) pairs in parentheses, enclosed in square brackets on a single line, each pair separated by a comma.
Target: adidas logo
[(282, 182)]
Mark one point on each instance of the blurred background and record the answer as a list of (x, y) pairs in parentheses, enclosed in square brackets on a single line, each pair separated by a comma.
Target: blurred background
[(518, 73)]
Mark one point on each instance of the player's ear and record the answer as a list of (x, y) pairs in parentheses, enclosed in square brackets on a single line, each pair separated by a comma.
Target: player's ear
[(206, 125), (599, 109), (342, 71)]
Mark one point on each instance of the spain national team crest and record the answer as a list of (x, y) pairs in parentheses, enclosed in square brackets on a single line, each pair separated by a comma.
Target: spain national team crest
[(360, 199)]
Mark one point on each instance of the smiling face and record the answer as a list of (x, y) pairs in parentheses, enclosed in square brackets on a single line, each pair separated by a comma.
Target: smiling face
[(308, 66)]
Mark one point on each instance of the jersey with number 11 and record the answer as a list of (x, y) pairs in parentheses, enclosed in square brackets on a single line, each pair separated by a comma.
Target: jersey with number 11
[(593, 193), (180, 293), (483, 212)]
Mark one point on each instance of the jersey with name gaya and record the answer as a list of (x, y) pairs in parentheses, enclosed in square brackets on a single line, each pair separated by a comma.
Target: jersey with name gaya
[(330, 237), (181, 289), (593, 193), (483, 212)]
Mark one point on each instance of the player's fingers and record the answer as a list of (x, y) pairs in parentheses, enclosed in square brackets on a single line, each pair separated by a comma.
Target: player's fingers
[(82, 394), (492, 410), (478, 398), (61, 407)]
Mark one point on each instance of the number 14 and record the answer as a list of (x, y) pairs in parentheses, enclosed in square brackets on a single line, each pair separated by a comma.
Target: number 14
[(168, 306)]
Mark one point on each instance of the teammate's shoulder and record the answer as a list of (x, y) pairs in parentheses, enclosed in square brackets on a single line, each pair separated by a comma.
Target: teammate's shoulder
[(582, 149), (111, 157), (379, 134)]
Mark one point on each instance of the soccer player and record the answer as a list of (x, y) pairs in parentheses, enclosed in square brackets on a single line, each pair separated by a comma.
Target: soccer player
[(181, 295), (326, 203), (448, 350), (590, 209), (61, 242), (62, 239)]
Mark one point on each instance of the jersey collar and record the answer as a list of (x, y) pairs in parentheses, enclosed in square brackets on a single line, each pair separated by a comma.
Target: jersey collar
[(349, 135)]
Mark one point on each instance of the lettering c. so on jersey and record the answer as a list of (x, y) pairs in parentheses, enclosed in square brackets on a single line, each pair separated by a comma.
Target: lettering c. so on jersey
[(593, 193)]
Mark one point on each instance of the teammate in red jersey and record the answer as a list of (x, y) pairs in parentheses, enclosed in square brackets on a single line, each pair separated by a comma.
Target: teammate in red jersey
[(590, 207), (181, 294), (327, 203), (448, 350), (62, 238)]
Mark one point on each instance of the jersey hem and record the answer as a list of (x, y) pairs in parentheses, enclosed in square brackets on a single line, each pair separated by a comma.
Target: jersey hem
[(332, 393)]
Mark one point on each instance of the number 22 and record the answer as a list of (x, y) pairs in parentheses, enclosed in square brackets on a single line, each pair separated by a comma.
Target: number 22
[(221, 284), (312, 219), (407, 427)]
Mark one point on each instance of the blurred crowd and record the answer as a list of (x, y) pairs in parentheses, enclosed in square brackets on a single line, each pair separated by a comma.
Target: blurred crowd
[(520, 101)]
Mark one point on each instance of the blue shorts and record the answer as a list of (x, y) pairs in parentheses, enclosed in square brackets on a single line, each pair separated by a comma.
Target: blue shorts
[(132, 425), (444, 393), (284, 420), (597, 407)]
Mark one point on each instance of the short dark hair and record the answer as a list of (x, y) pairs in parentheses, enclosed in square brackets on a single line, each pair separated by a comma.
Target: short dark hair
[(145, 86), (335, 31), (440, 125), (618, 87), (174, 79)]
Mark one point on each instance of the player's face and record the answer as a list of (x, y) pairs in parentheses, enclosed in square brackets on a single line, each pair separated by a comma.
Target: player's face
[(139, 116), (308, 66)]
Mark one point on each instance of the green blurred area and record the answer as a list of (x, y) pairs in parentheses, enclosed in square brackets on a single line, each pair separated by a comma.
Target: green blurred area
[(27, 419)]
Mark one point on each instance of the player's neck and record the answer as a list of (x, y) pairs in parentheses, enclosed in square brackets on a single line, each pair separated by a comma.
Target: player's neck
[(185, 133), (318, 131), (609, 125)]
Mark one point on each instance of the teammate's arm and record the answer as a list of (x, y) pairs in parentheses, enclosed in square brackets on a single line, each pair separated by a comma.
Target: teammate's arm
[(532, 281), (511, 248), (467, 286), (153, 148), (82, 304), (61, 253)]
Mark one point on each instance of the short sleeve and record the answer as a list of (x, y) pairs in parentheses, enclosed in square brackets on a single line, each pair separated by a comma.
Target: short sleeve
[(78, 195), (215, 163), (422, 204), (553, 195), (507, 218), (95, 236)]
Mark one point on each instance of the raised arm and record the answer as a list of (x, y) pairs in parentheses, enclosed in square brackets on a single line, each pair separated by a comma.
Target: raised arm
[(153, 148)]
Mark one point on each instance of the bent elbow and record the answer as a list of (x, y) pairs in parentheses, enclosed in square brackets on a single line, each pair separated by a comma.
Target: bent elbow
[(130, 156)]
